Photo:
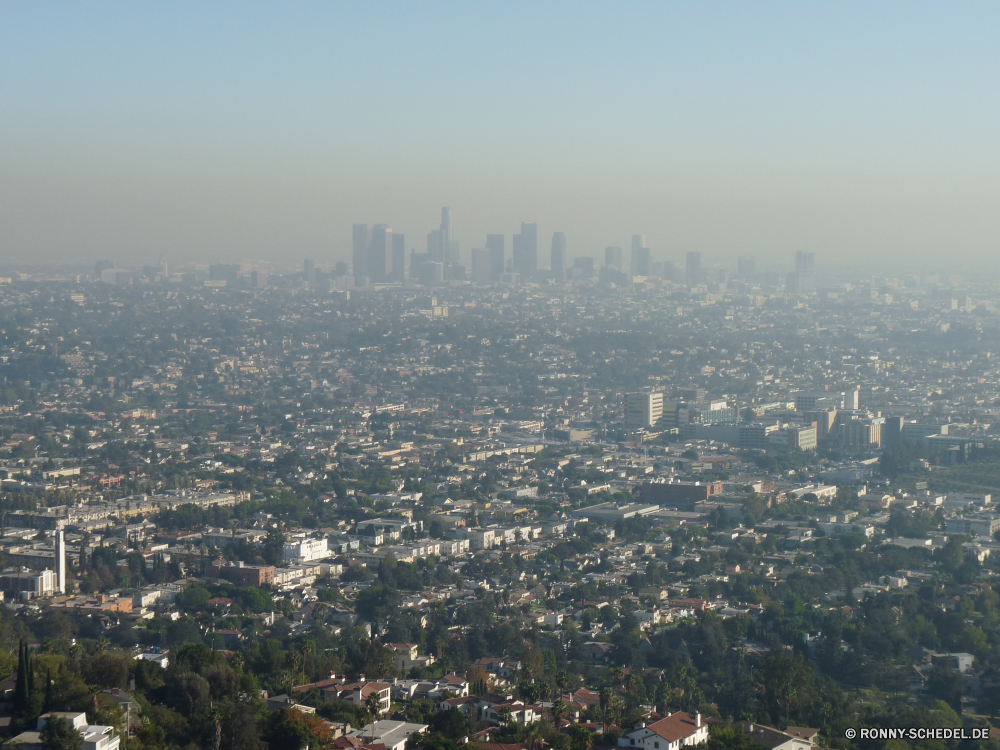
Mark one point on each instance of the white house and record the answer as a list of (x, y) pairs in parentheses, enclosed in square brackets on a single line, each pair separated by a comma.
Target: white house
[(671, 733), (95, 736), (305, 550), (392, 734)]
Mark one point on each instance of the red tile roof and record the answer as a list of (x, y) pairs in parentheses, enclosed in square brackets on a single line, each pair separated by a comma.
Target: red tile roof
[(675, 727)]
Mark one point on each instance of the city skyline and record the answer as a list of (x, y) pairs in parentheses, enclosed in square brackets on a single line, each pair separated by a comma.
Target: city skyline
[(860, 133)]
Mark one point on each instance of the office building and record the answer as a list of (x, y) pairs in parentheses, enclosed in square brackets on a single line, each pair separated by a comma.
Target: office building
[(60, 561), (241, 573), (305, 550), (446, 233), (22, 583), (755, 435), (613, 258), (857, 429), (380, 254), (583, 268), (495, 244), (643, 410), (442, 247), (424, 269), (716, 411), (801, 438), (359, 248), (746, 268), (678, 493), (693, 269), (435, 246), (525, 251), (482, 266), (640, 264), (398, 273), (558, 261), (450, 244), (309, 273), (818, 400)]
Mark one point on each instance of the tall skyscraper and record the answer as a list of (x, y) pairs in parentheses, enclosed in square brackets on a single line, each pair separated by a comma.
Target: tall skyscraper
[(805, 272), (526, 251), (435, 246), (398, 273), (309, 272), (442, 247), (558, 261), (446, 224), (640, 263), (380, 254), (495, 244), (746, 268), (61, 561), (613, 258), (693, 275), (449, 245), (362, 238)]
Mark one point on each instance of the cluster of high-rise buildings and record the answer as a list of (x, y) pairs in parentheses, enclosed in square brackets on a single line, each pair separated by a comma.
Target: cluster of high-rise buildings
[(379, 257)]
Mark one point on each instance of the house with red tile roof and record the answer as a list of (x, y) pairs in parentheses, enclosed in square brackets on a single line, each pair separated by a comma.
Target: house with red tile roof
[(670, 733)]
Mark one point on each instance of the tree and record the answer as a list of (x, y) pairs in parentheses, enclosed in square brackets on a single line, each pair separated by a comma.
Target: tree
[(108, 670), (21, 696), (374, 706), (606, 695), (477, 680), (60, 734), (946, 684), (558, 709), (617, 706), (505, 716), (528, 691), (562, 680)]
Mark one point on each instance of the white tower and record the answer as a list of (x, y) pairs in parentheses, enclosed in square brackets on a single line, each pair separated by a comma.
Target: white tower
[(61, 561)]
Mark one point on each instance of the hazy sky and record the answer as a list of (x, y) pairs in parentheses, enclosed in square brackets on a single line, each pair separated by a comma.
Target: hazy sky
[(207, 131)]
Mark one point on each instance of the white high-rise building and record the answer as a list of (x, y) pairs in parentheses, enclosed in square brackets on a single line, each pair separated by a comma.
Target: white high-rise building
[(61, 561), (643, 410)]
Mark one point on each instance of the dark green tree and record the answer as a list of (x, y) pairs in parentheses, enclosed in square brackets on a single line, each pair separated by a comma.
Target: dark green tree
[(60, 734)]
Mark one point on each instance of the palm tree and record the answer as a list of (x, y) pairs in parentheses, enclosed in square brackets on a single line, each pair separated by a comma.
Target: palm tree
[(533, 737), (562, 680), (374, 706), (606, 695), (617, 676), (558, 709)]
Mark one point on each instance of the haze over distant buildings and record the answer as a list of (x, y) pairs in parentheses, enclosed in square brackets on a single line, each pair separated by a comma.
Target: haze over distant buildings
[(858, 133)]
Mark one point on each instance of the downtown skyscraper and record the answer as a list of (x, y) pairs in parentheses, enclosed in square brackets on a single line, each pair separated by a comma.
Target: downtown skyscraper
[(558, 259), (525, 251)]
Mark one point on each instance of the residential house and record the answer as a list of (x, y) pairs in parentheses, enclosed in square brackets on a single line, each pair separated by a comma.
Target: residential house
[(671, 733)]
